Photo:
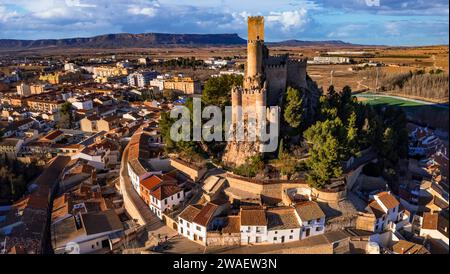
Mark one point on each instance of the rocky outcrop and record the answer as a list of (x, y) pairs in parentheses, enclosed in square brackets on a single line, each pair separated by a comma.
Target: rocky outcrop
[(236, 153)]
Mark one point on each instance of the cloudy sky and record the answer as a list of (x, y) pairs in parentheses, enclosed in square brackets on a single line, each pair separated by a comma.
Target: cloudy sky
[(387, 22)]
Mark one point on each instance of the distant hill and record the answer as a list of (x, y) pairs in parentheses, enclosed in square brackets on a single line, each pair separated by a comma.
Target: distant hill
[(293, 43), (127, 40)]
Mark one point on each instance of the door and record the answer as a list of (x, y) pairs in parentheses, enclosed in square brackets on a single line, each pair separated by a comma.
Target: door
[(105, 244), (308, 230), (282, 239)]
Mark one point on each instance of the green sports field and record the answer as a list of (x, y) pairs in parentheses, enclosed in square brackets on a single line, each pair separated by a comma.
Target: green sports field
[(378, 100), (430, 114)]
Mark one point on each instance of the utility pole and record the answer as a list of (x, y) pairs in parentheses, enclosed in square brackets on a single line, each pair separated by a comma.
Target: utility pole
[(376, 80), (331, 77)]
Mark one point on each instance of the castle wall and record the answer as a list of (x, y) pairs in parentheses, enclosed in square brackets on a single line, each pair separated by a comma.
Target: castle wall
[(276, 76), (296, 74)]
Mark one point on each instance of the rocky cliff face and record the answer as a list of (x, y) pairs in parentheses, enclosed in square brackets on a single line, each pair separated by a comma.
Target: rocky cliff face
[(237, 152)]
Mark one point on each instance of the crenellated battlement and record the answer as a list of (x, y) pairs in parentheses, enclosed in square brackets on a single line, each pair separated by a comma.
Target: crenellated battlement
[(275, 66), (301, 61)]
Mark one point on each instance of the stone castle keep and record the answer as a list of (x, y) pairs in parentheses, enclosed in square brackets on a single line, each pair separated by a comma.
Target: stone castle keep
[(266, 77), (265, 82)]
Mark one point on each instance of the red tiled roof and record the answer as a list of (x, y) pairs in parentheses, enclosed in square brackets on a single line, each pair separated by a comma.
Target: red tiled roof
[(165, 190), (388, 200), (205, 215)]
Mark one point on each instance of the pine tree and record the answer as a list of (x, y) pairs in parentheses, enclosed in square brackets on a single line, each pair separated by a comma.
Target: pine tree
[(293, 113)]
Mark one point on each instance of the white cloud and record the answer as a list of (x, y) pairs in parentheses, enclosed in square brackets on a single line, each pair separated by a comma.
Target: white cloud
[(289, 19), (77, 3), (392, 28), (147, 11), (5, 15)]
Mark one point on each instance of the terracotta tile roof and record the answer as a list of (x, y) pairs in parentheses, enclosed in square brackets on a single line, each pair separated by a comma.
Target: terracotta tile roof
[(430, 220), (388, 200), (405, 247), (282, 218), (309, 211), (253, 217), (190, 212), (151, 182), (53, 135), (376, 209), (165, 190), (436, 221), (206, 214), (233, 225)]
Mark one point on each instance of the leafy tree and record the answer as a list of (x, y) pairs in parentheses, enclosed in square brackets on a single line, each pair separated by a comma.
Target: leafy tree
[(252, 166), (66, 116), (325, 139), (293, 112), (352, 134), (170, 95), (217, 90), (165, 123)]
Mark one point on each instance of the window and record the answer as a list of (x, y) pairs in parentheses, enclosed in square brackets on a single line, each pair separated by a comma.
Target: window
[(187, 233), (276, 232), (178, 195), (181, 230), (292, 230), (291, 237), (165, 201), (181, 221), (318, 220), (258, 229), (319, 228), (200, 238), (187, 224), (274, 239), (198, 228), (310, 222), (171, 198)]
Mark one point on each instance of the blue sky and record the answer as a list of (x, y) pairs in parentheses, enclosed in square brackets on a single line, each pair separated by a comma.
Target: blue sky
[(386, 22)]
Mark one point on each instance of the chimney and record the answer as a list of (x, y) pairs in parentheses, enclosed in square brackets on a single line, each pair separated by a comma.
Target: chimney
[(94, 177)]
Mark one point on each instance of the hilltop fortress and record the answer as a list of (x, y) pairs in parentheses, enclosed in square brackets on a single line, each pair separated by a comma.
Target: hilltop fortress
[(265, 83)]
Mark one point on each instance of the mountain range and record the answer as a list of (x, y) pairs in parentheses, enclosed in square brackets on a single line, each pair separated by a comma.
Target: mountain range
[(127, 40)]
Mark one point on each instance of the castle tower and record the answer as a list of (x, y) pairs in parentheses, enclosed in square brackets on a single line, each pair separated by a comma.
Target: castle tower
[(255, 46)]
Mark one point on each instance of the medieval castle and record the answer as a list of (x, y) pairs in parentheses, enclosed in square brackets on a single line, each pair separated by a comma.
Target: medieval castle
[(265, 82)]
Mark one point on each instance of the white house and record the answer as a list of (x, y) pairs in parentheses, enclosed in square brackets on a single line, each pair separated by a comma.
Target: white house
[(100, 155), (282, 225), (195, 221), (186, 226), (83, 233), (253, 225), (161, 193), (388, 215), (435, 227), (10, 147), (83, 104), (311, 219)]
